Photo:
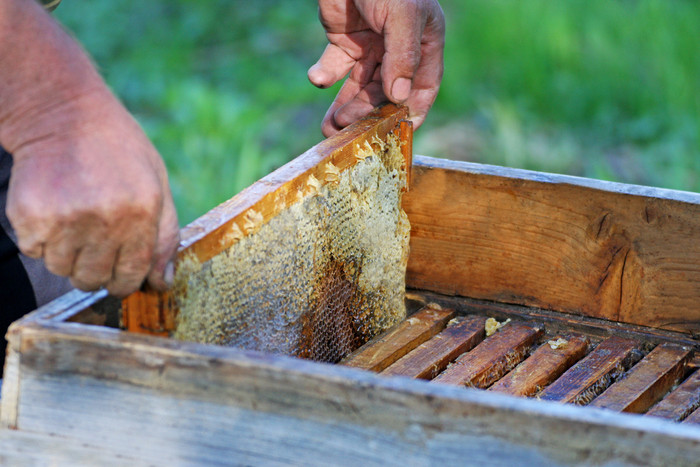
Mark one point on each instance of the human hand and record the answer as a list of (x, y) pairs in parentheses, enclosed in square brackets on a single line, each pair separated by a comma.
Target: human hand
[(393, 49), (89, 194), (88, 191)]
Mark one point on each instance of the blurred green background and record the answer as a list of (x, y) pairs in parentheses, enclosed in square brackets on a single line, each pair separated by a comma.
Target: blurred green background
[(599, 88)]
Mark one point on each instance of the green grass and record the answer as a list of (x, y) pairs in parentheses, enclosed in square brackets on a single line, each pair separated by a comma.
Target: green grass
[(601, 88)]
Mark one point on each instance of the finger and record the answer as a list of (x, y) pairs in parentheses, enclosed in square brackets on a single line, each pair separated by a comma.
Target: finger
[(419, 104), (59, 256), (360, 76), (166, 245), (30, 246), (333, 66), (31, 233), (367, 99), (426, 82), (132, 264), (403, 31), (347, 92), (93, 266), (328, 125), (365, 70), (352, 111)]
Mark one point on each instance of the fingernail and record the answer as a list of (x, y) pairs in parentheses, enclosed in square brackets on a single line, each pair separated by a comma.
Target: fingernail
[(401, 89), (316, 76), (169, 273)]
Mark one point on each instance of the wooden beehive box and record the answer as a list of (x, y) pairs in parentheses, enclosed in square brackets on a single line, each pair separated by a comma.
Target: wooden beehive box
[(612, 269)]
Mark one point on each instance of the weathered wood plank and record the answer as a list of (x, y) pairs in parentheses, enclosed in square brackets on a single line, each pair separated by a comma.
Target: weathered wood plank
[(185, 403), (601, 249), (19, 448), (590, 376), (681, 402), (647, 382), (545, 365), (433, 356), (387, 348), (695, 361), (491, 359)]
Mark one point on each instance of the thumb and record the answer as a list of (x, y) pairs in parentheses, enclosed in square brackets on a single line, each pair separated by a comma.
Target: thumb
[(402, 32)]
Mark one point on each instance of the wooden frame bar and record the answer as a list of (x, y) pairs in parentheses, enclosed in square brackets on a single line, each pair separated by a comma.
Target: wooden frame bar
[(647, 382), (431, 357), (581, 383), (545, 365), (681, 402), (492, 358), (380, 353)]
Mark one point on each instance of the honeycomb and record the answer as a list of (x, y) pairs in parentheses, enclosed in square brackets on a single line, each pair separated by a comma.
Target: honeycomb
[(318, 279)]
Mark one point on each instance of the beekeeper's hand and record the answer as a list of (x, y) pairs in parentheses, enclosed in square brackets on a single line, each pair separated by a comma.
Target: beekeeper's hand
[(88, 192), (392, 50)]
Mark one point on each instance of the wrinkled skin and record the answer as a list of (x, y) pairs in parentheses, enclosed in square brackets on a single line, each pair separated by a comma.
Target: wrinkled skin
[(392, 50), (95, 205), (88, 192)]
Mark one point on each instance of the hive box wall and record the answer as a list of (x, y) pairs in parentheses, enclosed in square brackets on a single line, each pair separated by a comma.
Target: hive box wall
[(620, 252)]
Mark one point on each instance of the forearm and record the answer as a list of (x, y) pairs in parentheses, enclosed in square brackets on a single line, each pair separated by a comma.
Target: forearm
[(44, 75)]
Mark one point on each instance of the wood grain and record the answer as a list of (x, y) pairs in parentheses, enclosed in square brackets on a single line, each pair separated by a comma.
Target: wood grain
[(20, 448), (433, 356), (681, 402), (581, 383), (10, 387), (542, 367), (491, 359), (601, 249), (647, 382), (387, 348)]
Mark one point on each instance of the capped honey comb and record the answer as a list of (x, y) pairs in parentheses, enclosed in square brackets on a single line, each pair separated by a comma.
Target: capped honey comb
[(319, 278)]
